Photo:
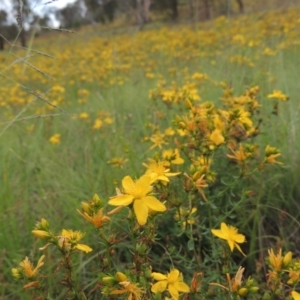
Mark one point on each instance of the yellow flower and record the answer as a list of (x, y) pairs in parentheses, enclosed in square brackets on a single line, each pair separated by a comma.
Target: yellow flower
[(117, 162), (134, 292), (243, 117), (28, 268), (137, 193), (294, 277), (239, 155), (186, 215), (55, 139), (231, 235), (173, 282), (158, 139), (98, 124), (108, 120), (199, 182), (295, 295), (68, 240), (157, 170), (278, 261), (237, 280), (216, 137), (84, 115), (169, 131), (271, 154), (278, 95), (172, 156), (97, 219)]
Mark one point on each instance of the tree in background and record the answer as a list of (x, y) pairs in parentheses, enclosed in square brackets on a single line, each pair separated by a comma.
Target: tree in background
[(167, 5), (71, 16), (23, 14), (241, 5), (101, 10), (3, 19), (109, 9)]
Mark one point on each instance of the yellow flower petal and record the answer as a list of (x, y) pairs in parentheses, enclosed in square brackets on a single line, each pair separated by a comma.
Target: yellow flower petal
[(239, 238), (295, 295), (173, 291), (231, 244), (83, 248), (141, 211), (159, 286), (239, 248), (181, 287), (154, 203), (173, 275), (128, 184), (218, 233), (121, 200), (158, 276), (163, 178), (144, 184), (224, 227)]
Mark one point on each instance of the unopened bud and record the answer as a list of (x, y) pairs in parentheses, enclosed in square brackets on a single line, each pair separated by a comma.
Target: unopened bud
[(243, 292), (41, 234), (97, 200), (85, 207), (121, 277), (287, 258), (188, 103), (44, 224), (17, 273), (182, 125), (196, 176), (108, 280), (254, 289)]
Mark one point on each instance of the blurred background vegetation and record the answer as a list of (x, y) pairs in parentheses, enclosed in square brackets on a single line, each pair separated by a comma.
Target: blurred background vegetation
[(128, 13)]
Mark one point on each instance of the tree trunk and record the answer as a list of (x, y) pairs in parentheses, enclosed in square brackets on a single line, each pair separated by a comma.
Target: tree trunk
[(174, 7), (1, 43), (206, 9), (139, 13), (241, 6), (191, 4), (147, 4)]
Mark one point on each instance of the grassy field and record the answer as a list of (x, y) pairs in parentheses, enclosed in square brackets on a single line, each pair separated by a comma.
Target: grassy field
[(79, 112)]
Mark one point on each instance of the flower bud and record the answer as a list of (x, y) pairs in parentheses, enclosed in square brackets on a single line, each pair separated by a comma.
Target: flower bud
[(182, 125), (108, 280), (188, 103), (196, 176), (121, 277), (97, 200), (287, 258), (243, 291), (17, 273), (85, 207), (44, 224), (254, 289), (41, 234)]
